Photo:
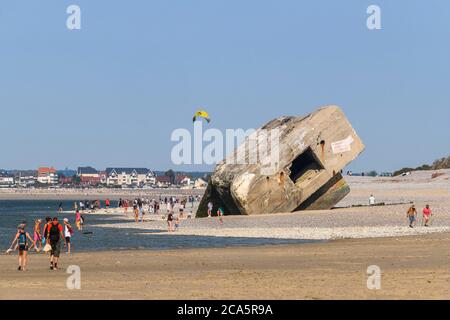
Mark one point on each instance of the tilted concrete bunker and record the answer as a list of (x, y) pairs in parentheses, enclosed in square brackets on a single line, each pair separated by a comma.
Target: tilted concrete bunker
[(312, 151)]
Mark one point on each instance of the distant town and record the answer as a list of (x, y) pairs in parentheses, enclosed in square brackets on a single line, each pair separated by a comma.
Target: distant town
[(89, 177)]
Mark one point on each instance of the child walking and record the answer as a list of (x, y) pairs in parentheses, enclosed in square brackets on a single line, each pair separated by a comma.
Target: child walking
[(21, 239), (68, 231)]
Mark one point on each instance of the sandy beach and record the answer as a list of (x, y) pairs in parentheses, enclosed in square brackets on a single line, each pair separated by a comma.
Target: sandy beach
[(343, 222), (412, 268), (329, 260)]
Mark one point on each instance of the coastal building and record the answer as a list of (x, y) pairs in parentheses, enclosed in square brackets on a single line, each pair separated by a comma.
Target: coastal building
[(47, 176), (89, 176), (103, 177), (182, 180), (163, 181), (129, 177), (88, 172), (6, 181), (25, 178), (65, 181)]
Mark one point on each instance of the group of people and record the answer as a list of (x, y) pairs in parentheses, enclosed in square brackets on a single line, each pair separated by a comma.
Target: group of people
[(47, 238), (167, 205), (219, 212), (412, 214), (91, 205)]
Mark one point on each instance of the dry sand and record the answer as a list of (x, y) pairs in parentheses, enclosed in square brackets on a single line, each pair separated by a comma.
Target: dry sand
[(412, 268)]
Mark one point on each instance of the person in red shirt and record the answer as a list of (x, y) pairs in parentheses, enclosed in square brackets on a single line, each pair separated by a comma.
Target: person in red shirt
[(427, 213), (54, 237)]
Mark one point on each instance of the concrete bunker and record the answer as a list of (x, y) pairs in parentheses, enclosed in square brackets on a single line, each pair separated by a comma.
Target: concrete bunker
[(313, 150)]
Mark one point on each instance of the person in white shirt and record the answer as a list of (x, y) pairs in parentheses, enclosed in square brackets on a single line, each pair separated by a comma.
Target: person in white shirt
[(67, 233), (371, 200), (210, 208)]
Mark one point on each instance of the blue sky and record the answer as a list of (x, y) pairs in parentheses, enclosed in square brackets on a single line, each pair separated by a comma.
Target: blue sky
[(111, 93)]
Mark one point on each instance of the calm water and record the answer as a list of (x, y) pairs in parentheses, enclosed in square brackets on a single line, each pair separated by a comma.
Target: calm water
[(13, 212)]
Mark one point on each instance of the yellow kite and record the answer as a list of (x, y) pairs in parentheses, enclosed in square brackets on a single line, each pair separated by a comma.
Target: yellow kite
[(201, 114)]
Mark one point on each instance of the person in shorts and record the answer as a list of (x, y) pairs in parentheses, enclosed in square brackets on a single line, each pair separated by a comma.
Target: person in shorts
[(220, 215), (54, 236), (427, 213), (411, 215), (68, 231), (170, 222), (21, 239)]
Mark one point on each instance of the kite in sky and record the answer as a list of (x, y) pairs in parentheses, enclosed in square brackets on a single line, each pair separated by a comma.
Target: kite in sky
[(201, 114)]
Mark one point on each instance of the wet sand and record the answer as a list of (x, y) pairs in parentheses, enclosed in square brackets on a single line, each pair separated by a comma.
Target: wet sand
[(412, 268)]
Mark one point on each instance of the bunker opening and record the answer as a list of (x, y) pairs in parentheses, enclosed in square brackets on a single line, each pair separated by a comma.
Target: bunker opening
[(304, 168)]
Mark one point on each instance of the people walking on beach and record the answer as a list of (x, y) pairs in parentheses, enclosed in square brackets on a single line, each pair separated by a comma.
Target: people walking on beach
[(48, 222), (107, 204), (220, 215), (37, 236), (125, 207), (427, 213), (136, 211), (140, 205), (210, 208), (170, 222), (411, 214), (141, 209), (54, 236), (81, 205), (181, 209), (371, 200), (78, 221), (21, 240), (68, 231), (177, 223)]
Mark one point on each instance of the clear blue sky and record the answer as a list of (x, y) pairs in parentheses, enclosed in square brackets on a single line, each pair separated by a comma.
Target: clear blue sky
[(111, 93)]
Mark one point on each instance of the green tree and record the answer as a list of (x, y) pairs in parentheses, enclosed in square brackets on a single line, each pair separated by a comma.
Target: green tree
[(76, 180), (170, 173), (372, 173)]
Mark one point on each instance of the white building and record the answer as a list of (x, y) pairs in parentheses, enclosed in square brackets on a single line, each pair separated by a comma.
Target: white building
[(129, 177), (6, 182), (47, 176)]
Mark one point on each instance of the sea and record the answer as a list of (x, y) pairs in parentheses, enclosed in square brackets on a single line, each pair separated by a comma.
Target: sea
[(104, 238)]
